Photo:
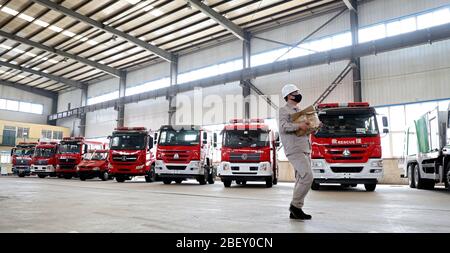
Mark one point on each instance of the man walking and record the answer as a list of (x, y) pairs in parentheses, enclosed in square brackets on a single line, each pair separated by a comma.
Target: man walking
[(297, 149)]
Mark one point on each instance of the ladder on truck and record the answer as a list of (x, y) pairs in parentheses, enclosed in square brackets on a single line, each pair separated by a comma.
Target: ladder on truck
[(335, 83)]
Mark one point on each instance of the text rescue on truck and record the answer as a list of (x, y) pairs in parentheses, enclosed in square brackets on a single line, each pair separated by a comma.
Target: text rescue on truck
[(21, 156), (426, 153), (248, 153), (70, 151), (347, 148), (130, 154), (44, 159), (184, 152)]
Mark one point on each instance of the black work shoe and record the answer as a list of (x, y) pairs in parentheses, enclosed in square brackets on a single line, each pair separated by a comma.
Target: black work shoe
[(297, 213)]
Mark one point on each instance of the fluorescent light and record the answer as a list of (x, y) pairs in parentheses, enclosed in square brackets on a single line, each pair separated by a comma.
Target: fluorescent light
[(26, 17), (41, 23), (9, 11), (156, 12), (55, 28)]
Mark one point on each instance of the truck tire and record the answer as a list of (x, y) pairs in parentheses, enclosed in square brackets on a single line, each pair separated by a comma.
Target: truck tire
[(370, 187), (82, 178), (203, 178), (269, 182), (178, 181), (315, 186), (41, 176), (68, 176), (275, 181), (211, 178), (420, 182), (167, 181), (151, 175), (411, 180), (227, 183), (120, 179), (21, 174), (104, 176)]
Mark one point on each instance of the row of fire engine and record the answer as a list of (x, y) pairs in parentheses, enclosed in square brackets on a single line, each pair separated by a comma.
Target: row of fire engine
[(345, 150)]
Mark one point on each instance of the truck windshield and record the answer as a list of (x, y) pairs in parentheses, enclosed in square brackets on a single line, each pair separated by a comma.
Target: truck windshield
[(44, 152), (69, 148), (179, 138), (23, 151), (94, 156), (245, 138), (128, 141), (348, 125)]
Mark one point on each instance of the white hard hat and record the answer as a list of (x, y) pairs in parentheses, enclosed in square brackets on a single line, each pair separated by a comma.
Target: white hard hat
[(288, 89)]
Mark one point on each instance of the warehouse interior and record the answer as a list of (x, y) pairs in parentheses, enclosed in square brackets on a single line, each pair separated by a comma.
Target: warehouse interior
[(73, 68)]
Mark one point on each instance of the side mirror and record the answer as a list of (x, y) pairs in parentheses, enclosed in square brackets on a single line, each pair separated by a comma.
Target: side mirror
[(12, 151), (385, 130), (205, 138), (150, 142), (215, 140), (155, 138), (109, 137), (385, 121)]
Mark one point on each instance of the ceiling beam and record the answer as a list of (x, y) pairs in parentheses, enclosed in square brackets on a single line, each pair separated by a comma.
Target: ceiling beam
[(99, 66), (227, 24), (142, 44), (350, 4), (59, 79), (27, 88)]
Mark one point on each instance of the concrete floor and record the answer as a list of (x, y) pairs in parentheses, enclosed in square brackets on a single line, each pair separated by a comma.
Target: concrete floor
[(58, 205)]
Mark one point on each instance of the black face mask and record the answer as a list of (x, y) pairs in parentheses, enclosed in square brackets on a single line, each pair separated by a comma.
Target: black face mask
[(297, 98)]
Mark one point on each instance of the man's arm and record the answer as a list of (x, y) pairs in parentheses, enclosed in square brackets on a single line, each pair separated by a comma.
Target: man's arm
[(285, 123)]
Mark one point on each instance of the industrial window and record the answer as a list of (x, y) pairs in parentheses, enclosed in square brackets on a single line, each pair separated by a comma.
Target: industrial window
[(213, 70), (4, 157), (103, 98), (401, 26), (57, 135), (370, 33), (19, 106), (23, 132), (46, 134)]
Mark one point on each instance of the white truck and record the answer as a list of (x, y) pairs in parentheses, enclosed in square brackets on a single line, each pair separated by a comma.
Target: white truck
[(426, 152)]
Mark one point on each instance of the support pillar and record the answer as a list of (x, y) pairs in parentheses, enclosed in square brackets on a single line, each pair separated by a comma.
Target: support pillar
[(356, 76)]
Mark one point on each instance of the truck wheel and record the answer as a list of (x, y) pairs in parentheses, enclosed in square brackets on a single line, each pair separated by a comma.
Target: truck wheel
[(120, 179), (203, 178), (269, 182), (67, 176), (275, 181), (178, 181), (227, 183), (151, 175), (21, 175), (411, 180), (315, 186), (211, 178), (104, 176), (82, 178), (370, 187), (167, 181), (418, 181), (41, 176)]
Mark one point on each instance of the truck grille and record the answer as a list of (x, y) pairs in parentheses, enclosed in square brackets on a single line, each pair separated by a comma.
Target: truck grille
[(22, 161), (336, 152), (68, 160), (124, 158), (175, 167), (67, 166), (244, 157), (175, 156), (346, 169)]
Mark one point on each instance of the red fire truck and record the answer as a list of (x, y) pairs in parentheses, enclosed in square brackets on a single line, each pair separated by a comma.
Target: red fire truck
[(248, 153), (70, 151), (94, 164), (346, 150), (185, 152), (130, 154), (44, 159), (21, 156)]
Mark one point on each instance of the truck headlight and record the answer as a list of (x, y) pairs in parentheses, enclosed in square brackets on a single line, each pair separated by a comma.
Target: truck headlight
[(140, 167), (265, 166), (226, 166), (378, 163), (317, 164)]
